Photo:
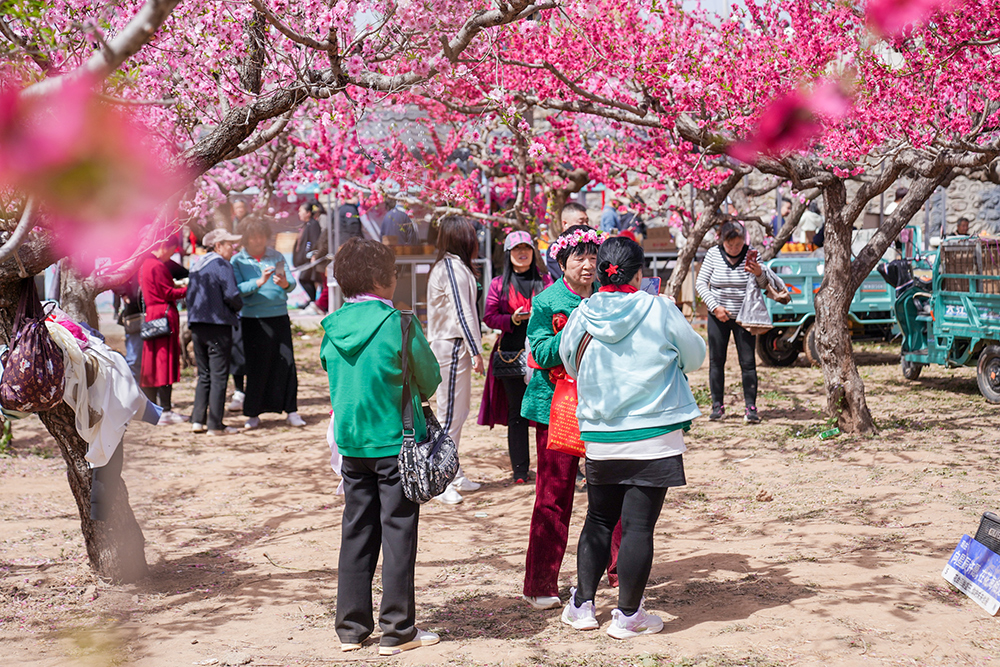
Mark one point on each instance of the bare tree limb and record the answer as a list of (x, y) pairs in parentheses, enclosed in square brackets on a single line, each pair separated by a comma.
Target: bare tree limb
[(20, 232)]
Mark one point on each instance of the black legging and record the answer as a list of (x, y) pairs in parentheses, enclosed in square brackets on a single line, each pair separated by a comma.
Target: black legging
[(517, 426), (718, 345), (638, 507), (159, 395)]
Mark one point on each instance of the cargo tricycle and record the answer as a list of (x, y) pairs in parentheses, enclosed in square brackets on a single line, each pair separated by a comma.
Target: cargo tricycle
[(954, 319)]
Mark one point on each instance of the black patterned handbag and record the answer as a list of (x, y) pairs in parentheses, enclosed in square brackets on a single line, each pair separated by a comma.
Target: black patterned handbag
[(425, 468), (508, 364), (157, 328)]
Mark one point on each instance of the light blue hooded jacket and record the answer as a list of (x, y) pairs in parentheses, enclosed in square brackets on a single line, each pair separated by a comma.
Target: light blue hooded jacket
[(632, 375)]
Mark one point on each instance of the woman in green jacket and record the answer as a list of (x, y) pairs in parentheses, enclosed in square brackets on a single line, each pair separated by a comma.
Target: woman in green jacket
[(555, 482), (361, 354)]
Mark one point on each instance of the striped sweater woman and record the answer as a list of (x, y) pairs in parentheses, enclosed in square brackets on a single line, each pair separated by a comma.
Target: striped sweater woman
[(454, 334), (722, 285)]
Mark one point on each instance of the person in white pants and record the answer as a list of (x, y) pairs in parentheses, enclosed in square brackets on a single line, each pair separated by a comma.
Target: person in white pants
[(454, 334)]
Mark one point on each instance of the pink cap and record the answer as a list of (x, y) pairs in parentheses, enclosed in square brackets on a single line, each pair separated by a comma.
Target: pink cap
[(515, 239)]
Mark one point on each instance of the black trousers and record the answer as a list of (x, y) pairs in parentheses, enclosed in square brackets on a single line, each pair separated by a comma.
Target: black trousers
[(718, 345), (517, 426), (213, 349), (376, 515), (310, 288), (638, 507)]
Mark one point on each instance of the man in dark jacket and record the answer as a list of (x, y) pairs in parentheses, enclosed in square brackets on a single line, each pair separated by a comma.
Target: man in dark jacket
[(350, 220), (213, 301)]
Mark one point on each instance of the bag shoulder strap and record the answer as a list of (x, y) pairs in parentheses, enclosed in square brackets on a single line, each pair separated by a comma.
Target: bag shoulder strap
[(584, 343), (406, 323)]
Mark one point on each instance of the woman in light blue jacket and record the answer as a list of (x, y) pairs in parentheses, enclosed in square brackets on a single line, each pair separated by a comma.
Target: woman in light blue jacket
[(629, 351)]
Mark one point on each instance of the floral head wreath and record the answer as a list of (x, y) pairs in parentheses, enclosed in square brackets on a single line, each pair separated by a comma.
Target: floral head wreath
[(594, 236)]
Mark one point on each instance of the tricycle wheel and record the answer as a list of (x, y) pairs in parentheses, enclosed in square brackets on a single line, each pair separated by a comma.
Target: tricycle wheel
[(810, 345), (911, 369), (776, 350), (988, 373)]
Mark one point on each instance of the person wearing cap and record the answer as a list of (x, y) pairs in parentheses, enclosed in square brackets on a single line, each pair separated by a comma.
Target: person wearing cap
[(508, 307), (213, 300), (161, 356)]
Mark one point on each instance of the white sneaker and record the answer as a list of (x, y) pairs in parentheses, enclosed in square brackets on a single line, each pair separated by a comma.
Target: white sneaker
[(198, 428), (252, 423), (312, 309), (463, 483), (422, 638), (450, 496), (639, 623), (583, 617), (236, 405), (543, 601), (295, 420), (169, 418)]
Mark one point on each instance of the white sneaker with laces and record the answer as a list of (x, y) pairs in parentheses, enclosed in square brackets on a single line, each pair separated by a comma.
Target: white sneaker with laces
[(295, 420), (236, 404), (252, 423), (542, 601), (639, 623), (463, 483), (583, 617), (198, 428), (450, 496), (422, 638)]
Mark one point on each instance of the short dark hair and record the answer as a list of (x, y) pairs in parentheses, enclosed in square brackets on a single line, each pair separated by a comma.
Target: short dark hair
[(730, 230), (458, 236), (572, 206), (314, 208), (625, 255), (255, 224), (362, 265), (900, 193), (585, 248)]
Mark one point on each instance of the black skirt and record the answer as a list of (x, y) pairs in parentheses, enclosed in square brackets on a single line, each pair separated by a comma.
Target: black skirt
[(658, 473), (272, 384)]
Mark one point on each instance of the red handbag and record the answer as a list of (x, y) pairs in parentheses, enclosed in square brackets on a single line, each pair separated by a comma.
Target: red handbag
[(564, 427)]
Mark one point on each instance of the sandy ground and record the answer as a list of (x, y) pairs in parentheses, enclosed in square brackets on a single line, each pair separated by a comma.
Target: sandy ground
[(782, 550)]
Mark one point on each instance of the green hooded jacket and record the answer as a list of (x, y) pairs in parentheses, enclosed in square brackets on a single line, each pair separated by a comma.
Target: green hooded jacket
[(361, 356)]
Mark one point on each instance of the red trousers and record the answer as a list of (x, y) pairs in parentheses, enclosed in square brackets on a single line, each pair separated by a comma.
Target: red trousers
[(555, 486)]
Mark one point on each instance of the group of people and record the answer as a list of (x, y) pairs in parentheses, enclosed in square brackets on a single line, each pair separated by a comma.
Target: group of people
[(236, 297), (630, 352)]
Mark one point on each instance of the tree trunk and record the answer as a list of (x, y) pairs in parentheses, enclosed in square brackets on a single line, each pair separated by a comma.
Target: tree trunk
[(687, 254), (845, 392), (75, 296), (115, 547)]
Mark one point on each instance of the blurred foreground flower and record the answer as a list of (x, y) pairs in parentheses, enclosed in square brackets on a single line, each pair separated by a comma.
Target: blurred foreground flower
[(791, 121), (94, 171), (890, 18)]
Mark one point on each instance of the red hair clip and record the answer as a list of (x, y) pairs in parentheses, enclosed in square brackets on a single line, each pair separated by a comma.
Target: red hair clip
[(612, 270)]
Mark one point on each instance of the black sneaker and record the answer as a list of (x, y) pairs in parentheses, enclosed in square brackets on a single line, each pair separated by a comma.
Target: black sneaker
[(718, 412), (751, 417)]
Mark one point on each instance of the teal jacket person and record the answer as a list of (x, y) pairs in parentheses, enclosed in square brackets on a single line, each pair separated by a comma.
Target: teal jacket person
[(556, 300)]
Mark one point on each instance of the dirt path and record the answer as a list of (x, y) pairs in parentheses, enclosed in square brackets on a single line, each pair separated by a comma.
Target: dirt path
[(783, 549)]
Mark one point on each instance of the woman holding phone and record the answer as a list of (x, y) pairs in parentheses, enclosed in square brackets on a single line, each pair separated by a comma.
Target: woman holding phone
[(271, 380), (722, 285)]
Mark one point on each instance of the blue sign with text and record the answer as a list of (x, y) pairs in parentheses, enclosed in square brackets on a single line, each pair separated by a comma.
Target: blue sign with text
[(975, 570)]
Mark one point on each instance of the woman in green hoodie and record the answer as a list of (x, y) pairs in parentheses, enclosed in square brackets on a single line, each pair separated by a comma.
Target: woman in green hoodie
[(361, 354)]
